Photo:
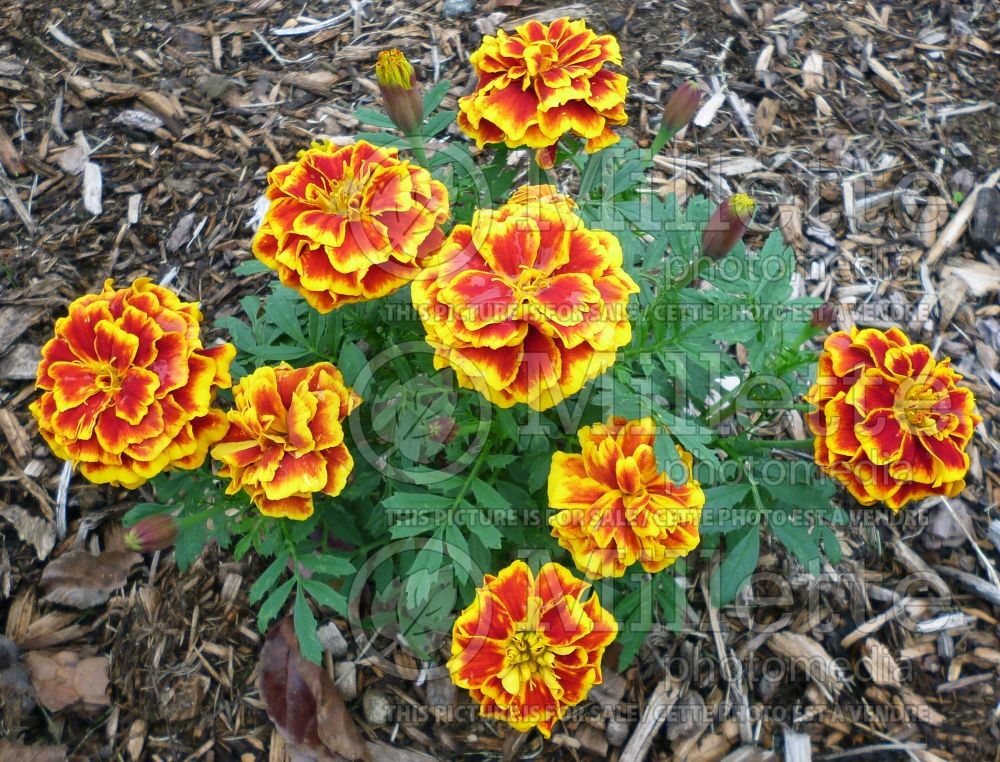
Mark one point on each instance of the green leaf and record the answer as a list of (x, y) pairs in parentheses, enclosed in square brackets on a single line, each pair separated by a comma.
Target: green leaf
[(283, 311), (268, 578), (630, 639), (438, 123), (305, 629), (415, 501), (434, 96), (488, 497), (142, 510), (374, 118), (797, 539), (334, 566), (738, 563), (190, 543), (251, 267), (270, 608), (726, 495), (326, 596), (489, 535), (351, 362)]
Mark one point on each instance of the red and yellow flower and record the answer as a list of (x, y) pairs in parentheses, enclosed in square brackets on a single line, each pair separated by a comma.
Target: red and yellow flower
[(543, 82), (891, 423), (528, 648), (128, 387), (526, 304), (285, 439), (349, 224), (614, 507)]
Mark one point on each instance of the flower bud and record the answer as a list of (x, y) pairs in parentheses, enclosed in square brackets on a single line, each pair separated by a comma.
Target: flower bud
[(727, 226), (546, 157), (442, 429), (823, 316), (152, 533), (681, 107), (402, 101)]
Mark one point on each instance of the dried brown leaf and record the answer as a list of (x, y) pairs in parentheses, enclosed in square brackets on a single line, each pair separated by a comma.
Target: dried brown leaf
[(80, 579), (64, 680), (303, 703), (35, 530)]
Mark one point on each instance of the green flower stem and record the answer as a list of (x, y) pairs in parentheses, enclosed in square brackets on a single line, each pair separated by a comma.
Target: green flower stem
[(417, 146), (480, 459), (536, 175), (788, 444), (663, 136)]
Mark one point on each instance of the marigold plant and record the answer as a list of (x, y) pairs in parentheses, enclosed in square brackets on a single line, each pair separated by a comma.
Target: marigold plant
[(543, 82), (528, 648), (349, 224), (591, 345), (285, 440), (128, 387), (615, 507), (892, 424), (526, 304)]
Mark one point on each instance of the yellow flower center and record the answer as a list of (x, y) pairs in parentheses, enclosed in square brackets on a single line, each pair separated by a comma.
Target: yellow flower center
[(343, 197), (917, 406), (108, 378), (527, 654), (540, 56)]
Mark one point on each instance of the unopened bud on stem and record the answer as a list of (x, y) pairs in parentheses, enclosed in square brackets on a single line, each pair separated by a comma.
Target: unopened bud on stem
[(726, 227), (152, 533), (400, 96), (823, 316), (681, 107)]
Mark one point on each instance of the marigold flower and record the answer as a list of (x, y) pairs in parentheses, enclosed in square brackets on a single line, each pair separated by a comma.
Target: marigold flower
[(526, 304), (528, 648), (727, 225), (543, 82), (402, 100), (615, 508), (285, 440), (891, 423), (349, 224), (128, 387)]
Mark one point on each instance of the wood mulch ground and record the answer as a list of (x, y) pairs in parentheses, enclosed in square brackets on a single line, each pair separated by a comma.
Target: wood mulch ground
[(134, 140)]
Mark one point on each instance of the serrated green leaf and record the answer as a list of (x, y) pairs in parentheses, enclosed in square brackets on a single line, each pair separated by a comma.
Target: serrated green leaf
[(139, 511), (738, 563), (335, 566), (305, 629), (326, 596), (270, 608), (351, 362), (487, 496), (798, 541), (190, 543), (268, 578)]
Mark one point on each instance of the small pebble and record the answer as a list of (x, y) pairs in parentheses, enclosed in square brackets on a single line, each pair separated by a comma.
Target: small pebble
[(377, 706), (453, 8)]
